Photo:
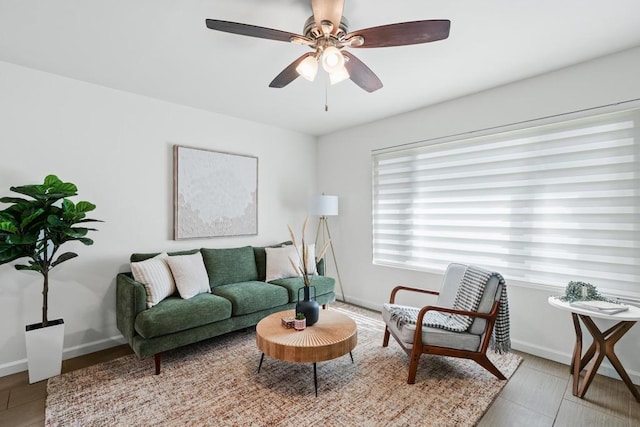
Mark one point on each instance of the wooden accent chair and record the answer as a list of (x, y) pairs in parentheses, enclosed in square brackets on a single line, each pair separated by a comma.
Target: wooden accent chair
[(471, 344)]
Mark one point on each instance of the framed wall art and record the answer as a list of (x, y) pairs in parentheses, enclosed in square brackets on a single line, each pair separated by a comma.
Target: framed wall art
[(215, 194)]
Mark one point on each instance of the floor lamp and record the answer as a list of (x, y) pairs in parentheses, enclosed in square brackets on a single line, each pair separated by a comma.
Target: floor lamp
[(324, 206)]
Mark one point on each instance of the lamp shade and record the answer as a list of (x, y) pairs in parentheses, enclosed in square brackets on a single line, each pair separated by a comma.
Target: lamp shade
[(308, 68), (332, 59), (323, 205), (338, 75)]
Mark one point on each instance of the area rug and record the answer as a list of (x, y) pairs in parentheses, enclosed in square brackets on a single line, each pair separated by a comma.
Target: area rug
[(216, 383)]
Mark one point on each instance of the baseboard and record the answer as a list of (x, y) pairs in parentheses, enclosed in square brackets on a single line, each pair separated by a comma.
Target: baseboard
[(67, 353), (605, 369), (361, 303), (13, 367), (92, 347)]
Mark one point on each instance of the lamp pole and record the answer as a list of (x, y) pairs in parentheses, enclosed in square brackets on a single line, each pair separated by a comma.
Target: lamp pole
[(326, 232)]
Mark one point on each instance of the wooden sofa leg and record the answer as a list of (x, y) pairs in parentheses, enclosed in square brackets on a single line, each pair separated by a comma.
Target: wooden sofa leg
[(157, 358)]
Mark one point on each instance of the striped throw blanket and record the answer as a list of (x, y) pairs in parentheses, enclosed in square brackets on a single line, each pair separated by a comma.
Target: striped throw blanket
[(468, 298)]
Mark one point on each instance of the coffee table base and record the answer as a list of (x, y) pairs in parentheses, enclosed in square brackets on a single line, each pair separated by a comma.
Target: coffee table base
[(315, 374)]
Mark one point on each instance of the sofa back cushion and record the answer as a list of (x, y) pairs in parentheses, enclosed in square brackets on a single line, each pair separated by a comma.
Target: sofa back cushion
[(144, 256), (230, 265)]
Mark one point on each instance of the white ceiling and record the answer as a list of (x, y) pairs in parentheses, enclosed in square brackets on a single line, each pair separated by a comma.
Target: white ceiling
[(162, 49)]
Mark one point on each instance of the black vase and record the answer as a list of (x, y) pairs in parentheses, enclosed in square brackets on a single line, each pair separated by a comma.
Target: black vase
[(308, 306)]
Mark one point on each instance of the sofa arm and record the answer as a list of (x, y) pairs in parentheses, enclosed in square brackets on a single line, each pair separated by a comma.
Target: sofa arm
[(320, 266), (131, 299)]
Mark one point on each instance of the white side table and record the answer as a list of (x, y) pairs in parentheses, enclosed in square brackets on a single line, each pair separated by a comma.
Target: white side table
[(603, 343)]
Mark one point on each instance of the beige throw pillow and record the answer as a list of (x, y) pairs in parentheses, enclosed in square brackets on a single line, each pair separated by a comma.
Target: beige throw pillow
[(279, 262), (279, 265), (155, 275), (190, 274)]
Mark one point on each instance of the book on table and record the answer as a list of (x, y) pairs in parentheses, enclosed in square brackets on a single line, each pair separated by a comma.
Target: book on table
[(604, 307)]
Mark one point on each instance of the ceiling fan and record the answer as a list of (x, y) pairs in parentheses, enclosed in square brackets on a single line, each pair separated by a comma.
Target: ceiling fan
[(327, 34)]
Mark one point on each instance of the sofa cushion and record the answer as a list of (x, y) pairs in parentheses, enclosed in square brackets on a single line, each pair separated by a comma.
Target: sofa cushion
[(249, 297), (175, 314), (231, 265), (432, 336), (323, 284), (190, 274), (155, 275)]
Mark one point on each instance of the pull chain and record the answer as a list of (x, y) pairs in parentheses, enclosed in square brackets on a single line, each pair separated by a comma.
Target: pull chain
[(326, 96)]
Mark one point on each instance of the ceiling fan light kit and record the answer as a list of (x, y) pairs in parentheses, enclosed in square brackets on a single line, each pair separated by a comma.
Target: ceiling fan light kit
[(326, 32)]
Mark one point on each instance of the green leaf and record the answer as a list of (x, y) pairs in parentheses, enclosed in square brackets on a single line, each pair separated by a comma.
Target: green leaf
[(64, 257), (86, 241), (76, 232), (31, 218), (68, 205), (51, 190), (12, 254), (8, 227), (90, 220), (54, 221), (56, 186), (85, 206), (34, 191), (51, 181), (13, 200), (26, 239), (32, 267)]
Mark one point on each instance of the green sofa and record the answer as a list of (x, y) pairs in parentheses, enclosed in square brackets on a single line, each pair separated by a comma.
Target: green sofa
[(239, 299)]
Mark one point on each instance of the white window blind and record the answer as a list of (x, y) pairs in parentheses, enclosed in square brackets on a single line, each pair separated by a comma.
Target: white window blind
[(544, 205)]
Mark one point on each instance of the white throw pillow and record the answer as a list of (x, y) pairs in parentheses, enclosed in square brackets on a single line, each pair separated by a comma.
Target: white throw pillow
[(155, 275), (279, 265), (190, 274)]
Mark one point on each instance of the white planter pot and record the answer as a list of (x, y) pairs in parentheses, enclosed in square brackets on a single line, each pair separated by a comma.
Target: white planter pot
[(300, 324), (44, 349)]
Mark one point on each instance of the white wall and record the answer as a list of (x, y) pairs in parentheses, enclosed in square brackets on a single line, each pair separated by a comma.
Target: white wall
[(536, 327), (117, 148)]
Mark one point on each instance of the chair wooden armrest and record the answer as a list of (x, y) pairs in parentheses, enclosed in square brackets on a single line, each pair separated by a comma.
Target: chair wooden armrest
[(410, 289), (490, 315)]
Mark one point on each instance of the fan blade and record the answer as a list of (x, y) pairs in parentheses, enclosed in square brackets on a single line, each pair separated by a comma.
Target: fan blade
[(328, 10), (403, 33), (251, 30), (360, 74), (289, 74)]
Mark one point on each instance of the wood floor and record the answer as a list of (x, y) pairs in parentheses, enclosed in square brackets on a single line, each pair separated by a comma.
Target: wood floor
[(538, 394)]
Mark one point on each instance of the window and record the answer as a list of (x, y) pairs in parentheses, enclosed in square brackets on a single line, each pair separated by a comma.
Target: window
[(543, 205)]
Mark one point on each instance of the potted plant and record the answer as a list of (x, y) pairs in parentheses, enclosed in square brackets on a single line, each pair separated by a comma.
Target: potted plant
[(35, 228), (300, 323)]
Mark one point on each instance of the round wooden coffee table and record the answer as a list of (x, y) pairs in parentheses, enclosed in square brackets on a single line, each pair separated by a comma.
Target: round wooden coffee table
[(334, 335)]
